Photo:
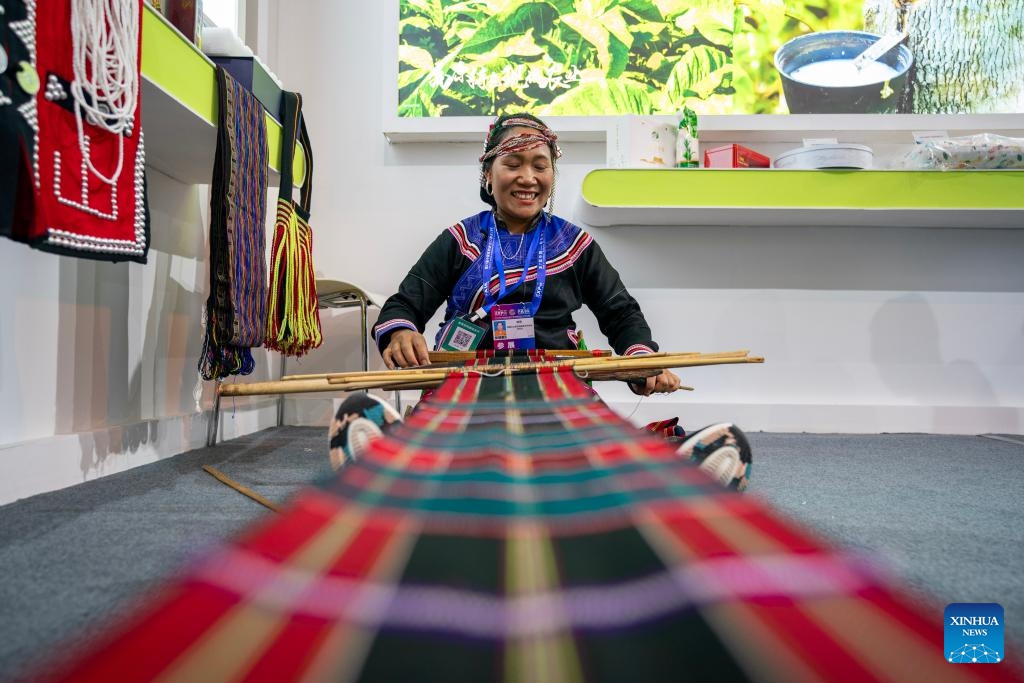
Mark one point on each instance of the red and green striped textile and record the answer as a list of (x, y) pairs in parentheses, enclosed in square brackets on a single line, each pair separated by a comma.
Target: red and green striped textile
[(515, 529), (293, 313)]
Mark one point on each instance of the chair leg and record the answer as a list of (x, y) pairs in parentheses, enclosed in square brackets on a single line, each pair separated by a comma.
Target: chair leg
[(362, 319), (280, 397), (211, 429)]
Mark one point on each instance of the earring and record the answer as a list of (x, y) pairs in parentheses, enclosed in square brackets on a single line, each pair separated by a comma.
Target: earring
[(488, 188)]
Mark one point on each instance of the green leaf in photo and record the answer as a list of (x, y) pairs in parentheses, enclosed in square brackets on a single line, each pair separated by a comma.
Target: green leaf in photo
[(696, 74), (598, 98), (672, 8), (416, 56), (616, 25), (538, 17), (419, 22), (643, 10), (409, 77), (432, 9), (649, 29), (591, 30)]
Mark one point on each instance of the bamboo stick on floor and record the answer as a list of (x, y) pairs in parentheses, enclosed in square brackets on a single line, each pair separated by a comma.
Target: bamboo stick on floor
[(244, 490)]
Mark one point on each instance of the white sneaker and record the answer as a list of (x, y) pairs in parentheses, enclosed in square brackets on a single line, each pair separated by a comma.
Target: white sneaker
[(359, 419), (723, 465), (361, 433), (723, 452)]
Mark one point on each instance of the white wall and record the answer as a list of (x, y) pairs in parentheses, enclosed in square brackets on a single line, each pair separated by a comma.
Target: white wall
[(865, 330), (98, 360)]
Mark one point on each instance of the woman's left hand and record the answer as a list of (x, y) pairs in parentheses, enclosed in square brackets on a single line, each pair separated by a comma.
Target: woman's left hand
[(664, 382)]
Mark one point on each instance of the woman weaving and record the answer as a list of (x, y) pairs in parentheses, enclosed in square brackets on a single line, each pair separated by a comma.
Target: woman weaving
[(564, 269)]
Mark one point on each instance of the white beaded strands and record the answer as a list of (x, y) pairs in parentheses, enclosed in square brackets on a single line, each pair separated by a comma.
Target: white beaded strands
[(104, 43)]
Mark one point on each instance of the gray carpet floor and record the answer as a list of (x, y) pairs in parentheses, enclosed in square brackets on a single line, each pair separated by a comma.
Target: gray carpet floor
[(943, 512)]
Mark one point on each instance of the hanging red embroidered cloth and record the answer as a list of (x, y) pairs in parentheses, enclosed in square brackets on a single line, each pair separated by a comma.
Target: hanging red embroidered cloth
[(79, 182)]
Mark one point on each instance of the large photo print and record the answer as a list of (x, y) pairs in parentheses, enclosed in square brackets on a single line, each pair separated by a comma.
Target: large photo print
[(602, 57)]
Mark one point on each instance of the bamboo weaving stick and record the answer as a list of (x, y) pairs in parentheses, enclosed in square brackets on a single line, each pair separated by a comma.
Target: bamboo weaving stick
[(659, 360), (448, 356), (497, 365), (276, 387), (599, 368), (593, 369), (457, 356)]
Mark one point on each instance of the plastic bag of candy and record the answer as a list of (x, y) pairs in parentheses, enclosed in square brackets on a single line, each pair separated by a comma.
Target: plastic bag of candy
[(984, 150)]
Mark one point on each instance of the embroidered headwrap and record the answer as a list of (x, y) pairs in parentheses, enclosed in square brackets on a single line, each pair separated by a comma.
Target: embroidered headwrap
[(520, 142), (513, 144)]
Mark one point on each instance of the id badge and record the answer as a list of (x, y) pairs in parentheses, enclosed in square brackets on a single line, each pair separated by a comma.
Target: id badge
[(461, 335), (512, 326)]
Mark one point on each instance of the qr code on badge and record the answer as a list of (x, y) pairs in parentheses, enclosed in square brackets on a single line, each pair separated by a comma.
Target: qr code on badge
[(461, 339)]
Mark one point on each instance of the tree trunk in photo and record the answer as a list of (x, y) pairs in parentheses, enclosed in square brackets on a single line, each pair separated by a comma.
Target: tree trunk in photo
[(968, 54)]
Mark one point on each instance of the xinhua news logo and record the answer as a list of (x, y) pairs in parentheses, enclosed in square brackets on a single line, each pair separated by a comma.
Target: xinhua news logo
[(974, 633)]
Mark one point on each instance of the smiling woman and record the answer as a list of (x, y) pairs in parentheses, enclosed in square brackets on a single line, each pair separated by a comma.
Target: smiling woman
[(515, 267), (513, 275), (519, 172)]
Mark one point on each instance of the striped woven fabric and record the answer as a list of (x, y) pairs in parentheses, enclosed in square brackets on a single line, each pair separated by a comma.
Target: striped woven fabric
[(236, 310), (293, 314), (514, 528)]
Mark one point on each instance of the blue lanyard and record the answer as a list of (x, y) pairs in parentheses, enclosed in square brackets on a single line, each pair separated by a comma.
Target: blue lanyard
[(493, 259)]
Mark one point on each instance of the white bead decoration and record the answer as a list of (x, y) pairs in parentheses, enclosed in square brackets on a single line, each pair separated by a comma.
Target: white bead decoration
[(84, 204), (69, 239), (140, 194), (54, 89), (26, 30), (30, 113), (105, 35), (137, 247)]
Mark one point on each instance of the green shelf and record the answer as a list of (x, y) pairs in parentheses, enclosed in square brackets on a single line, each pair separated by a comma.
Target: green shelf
[(681, 197), (179, 106)]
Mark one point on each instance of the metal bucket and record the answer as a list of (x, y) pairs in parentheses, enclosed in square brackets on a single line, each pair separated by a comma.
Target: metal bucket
[(881, 97)]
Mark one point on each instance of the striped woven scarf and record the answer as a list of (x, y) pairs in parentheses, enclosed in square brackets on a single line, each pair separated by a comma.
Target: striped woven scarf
[(293, 315), (515, 529), (236, 308)]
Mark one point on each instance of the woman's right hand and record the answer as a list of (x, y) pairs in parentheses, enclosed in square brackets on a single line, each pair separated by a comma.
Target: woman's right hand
[(405, 349)]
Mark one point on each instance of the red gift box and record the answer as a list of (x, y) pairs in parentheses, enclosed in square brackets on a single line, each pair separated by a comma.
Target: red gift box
[(735, 156), (187, 17)]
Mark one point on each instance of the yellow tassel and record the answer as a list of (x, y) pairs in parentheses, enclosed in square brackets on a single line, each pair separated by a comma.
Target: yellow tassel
[(293, 326)]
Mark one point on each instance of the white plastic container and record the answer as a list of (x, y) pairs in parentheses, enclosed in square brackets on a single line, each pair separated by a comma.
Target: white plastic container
[(842, 155)]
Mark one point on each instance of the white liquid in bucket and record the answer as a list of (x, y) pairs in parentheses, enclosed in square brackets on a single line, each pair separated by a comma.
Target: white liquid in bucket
[(842, 73)]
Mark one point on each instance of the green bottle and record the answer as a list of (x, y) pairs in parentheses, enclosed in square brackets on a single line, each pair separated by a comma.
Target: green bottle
[(687, 154)]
